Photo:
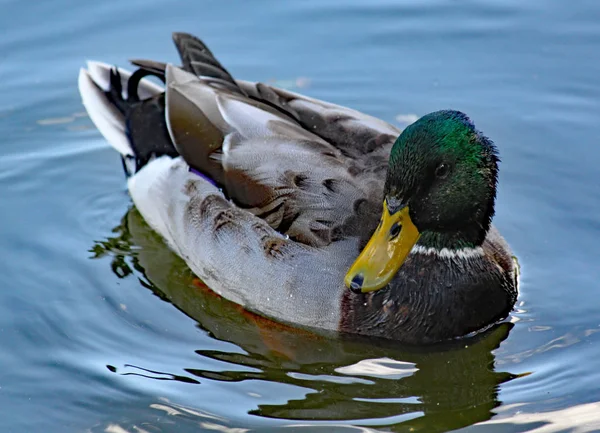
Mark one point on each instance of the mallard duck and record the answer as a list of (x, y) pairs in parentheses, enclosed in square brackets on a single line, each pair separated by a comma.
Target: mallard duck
[(306, 212)]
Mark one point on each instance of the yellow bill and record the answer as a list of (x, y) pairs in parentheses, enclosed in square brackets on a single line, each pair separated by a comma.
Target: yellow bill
[(385, 252)]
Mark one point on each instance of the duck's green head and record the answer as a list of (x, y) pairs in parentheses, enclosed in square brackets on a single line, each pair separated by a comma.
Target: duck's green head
[(439, 192)]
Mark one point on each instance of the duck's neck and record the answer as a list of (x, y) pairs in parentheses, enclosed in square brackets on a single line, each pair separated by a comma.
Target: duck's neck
[(469, 235), (431, 241)]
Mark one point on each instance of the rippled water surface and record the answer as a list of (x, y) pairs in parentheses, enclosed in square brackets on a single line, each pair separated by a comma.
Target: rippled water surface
[(102, 329)]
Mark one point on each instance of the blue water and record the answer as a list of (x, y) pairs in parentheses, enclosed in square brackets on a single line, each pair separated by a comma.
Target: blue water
[(102, 329)]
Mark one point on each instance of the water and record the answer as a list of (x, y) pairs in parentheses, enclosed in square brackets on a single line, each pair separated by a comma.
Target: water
[(102, 329)]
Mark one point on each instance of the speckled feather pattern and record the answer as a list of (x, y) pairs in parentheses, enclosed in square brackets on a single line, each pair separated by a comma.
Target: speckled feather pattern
[(266, 272)]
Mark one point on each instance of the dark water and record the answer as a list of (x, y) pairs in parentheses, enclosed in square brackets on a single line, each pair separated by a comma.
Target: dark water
[(102, 329)]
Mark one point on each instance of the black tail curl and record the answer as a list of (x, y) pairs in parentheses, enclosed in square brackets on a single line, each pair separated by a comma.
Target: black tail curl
[(145, 123)]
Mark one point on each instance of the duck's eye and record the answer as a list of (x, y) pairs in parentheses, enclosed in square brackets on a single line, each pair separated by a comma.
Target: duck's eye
[(395, 230), (442, 170)]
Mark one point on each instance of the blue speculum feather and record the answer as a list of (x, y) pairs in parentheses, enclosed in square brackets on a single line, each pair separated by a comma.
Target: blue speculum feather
[(203, 176)]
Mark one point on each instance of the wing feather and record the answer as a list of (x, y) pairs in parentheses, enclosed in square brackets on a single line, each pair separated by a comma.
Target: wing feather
[(306, 180)]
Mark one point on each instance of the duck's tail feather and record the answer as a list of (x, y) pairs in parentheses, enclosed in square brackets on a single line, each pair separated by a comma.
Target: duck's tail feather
[(94, 82), (128, 110)]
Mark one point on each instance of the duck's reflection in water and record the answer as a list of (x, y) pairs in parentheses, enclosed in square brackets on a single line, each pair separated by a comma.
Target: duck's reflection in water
[(364, 381)]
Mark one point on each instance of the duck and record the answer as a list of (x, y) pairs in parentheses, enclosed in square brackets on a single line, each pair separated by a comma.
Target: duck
[(305, 212)]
